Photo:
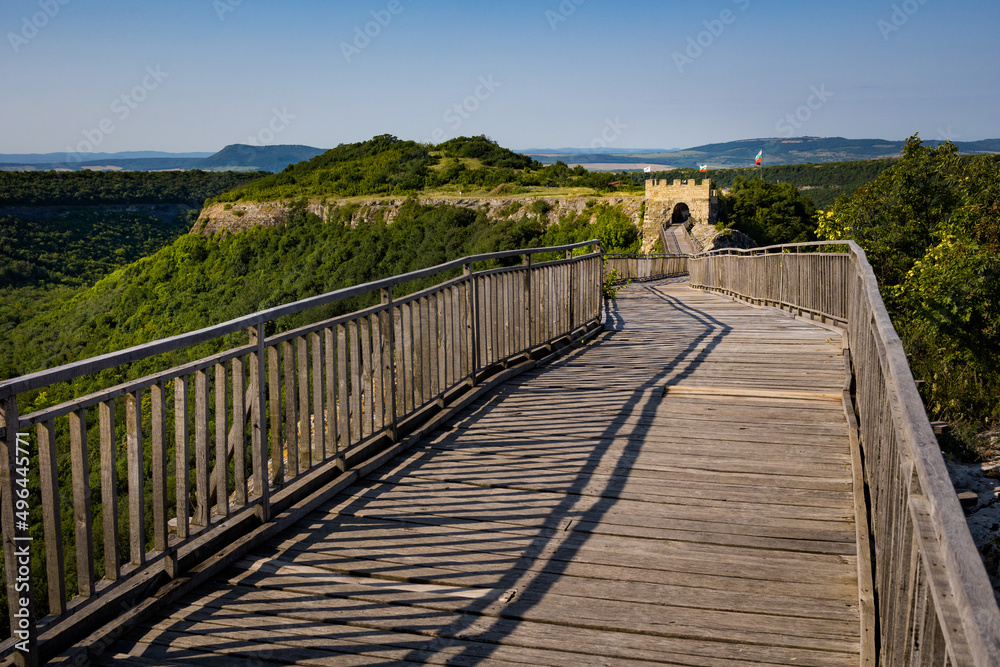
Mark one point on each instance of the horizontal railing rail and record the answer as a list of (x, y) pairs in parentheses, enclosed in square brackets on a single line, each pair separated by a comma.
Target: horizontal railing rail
[(935, 602), (201, 452), (644, 267)]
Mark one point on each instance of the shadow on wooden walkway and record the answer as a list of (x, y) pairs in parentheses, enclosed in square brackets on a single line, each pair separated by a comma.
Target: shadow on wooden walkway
[(677, 492)]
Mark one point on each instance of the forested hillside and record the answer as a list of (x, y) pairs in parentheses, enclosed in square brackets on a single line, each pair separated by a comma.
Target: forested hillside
[(386, 165), (930, 225)]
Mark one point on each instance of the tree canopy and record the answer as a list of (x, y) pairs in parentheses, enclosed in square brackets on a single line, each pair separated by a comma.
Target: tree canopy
[(930, 225)]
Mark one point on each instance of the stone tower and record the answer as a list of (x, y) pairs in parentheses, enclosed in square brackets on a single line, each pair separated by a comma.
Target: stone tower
[(667, 203)]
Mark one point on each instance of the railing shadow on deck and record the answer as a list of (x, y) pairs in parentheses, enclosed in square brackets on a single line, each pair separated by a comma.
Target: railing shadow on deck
[(300, 409), (520, 545)]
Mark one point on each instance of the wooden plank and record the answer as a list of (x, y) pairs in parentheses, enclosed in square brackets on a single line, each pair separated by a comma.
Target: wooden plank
[(109, 489), (221, 415), (367, 379), (277, 465), (305, 416), (158, 455), (79, 460), (356, 367), (343, 388), (291, 412), (51, 517), (181, 454), (239, 445), (202, 513), (330, 363), (319, 414), (378, 373)]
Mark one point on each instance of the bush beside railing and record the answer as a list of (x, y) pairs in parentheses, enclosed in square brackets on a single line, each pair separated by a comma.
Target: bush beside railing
[(934, 600)]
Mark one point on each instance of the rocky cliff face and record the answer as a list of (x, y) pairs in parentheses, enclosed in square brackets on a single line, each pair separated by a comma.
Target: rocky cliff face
[(244, 215), (709, 238)]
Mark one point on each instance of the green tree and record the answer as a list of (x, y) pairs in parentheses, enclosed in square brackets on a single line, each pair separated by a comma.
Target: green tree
[(930, 226), (769, 213)]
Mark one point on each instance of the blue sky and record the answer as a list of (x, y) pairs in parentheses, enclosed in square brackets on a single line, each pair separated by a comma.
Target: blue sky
[(196, 75)]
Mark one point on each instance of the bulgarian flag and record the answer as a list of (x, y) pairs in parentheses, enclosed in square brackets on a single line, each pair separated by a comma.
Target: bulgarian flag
[(760, 157), (703, 167)]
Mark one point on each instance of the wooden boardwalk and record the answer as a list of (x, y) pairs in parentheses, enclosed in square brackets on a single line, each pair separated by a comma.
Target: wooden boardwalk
[(678, 492)]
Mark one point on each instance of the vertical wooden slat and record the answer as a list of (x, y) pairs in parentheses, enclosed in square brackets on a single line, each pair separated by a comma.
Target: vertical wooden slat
[(354, 342), (239, 435), (417, 372), (529, 336), (442, 350), (330, 444), (52, 517), (109, 488), (202, 512), (79, 460), (221, 442), (343, 384), (277, 458), (398, 364), (305, 422), (367, 404), (258, 423), (136, 490), (291, 418), (158, 451), (389, 361), (181, 454), (378, 371), (431, 320), (408, 379), (318, 426)]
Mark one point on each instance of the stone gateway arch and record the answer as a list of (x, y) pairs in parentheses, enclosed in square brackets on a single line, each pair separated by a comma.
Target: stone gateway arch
[(677, 203)]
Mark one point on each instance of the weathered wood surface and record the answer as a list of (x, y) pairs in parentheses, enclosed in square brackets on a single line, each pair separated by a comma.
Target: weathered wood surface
[(678, 492)]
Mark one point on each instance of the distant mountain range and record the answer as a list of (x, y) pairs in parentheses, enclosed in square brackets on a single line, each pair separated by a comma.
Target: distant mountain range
[(237, 157), (732, 154), (795, 150)]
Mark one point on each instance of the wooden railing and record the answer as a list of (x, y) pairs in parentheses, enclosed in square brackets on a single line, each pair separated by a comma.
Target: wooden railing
[(644, 267), (287, 408), (935, 604)]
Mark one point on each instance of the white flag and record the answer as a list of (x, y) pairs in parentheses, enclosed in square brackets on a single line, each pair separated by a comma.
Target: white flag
[(648, 170)]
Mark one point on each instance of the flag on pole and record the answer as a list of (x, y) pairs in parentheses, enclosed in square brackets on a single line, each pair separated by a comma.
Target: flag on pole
[(760, 157), (703, 167), (648, 170)]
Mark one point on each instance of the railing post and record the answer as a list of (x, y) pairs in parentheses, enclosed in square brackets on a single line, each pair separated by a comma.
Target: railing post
[(528, 319), (600, 283), (572, 291), (474, 312), (258, 423), (16, 539), (391, 333)]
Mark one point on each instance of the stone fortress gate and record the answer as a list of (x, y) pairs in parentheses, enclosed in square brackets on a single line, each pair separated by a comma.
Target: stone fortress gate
[(679, 202)]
